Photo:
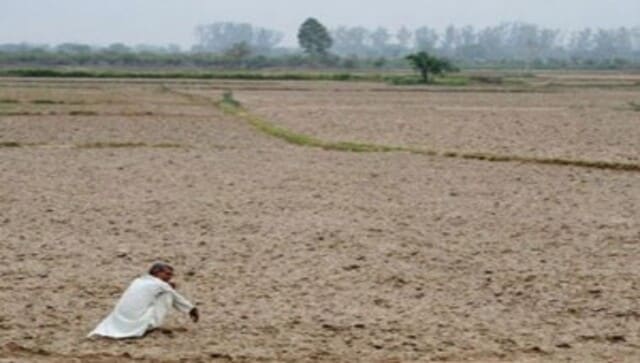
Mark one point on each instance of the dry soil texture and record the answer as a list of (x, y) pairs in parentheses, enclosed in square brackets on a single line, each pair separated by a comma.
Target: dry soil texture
[(299, 254)]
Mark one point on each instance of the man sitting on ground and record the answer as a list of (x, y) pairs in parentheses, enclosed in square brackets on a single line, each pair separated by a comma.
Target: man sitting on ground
[(144, 305)]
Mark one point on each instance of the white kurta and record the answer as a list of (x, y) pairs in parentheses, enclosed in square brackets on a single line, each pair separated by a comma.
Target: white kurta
[(143, 306)]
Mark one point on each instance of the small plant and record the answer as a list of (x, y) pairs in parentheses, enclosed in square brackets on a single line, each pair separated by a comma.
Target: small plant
[(227, 98)]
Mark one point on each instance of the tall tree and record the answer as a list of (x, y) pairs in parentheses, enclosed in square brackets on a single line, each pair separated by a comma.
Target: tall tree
[(314, 38)]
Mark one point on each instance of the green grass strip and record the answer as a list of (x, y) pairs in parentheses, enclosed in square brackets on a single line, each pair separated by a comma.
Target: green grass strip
[(301, 76), (93, 145), (409, 79), (122, 145), (232, 107), (300, 139)]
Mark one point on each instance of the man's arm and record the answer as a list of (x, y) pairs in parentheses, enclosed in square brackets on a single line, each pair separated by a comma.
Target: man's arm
[(180, 303)]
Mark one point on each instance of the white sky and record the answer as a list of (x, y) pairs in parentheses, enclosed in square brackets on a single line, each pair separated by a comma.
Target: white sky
[(161, 22)]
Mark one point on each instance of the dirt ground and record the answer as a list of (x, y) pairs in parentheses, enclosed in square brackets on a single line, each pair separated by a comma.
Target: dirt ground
[(298, 254)]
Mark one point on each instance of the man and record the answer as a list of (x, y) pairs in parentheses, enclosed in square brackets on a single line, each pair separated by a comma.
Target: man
[(144, 305)]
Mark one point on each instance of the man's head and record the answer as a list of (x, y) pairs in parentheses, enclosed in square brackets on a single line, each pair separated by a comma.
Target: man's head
[(161, 270)]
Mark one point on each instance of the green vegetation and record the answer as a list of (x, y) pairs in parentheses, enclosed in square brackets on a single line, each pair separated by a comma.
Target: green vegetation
[(93, 145), (230, 45), (8, 101), (118, 145), (47, 102), (429, 65), (10, 144), (448, 80), (82, 113), (227, 98), (635, 106), (302, 76), (231, 106), (441, 81), (314, 38), (53, 113)]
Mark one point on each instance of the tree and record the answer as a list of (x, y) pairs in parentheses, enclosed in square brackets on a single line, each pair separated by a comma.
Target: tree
[(427, 64), (451, 40), (403, 36), (380, 40), (425, 38), (314, 38), (351, 41)]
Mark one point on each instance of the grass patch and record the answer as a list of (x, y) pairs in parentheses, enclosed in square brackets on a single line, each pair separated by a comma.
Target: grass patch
[(25, 113), (361, 147), (94, 145), (417, 81), (104, 145), (82, 113), (493, 80), (635, 106), (594, 164), (404, 80), (9, 101), (47, 102), (50, 113), (10, 144), (123, 145), (302, 76), (230, 105), (227, 98), (452, 81)]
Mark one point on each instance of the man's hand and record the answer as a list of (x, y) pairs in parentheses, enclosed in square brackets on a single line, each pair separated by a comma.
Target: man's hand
[(194, 314)]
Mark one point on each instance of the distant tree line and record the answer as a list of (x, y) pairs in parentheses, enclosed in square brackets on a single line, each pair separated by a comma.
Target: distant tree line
[(224, 37), (505, 43), (242, 45)]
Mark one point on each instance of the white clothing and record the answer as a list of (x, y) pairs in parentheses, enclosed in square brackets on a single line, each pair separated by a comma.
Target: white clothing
[(143, 306)]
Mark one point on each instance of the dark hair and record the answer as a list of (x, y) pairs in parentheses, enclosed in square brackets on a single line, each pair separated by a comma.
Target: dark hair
[(159, 266)]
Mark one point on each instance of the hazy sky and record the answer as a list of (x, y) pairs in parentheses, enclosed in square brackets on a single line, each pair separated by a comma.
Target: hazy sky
[(162, 22)]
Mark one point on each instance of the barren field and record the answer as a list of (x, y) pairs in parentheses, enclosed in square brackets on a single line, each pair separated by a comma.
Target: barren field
[(300, 254)]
